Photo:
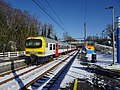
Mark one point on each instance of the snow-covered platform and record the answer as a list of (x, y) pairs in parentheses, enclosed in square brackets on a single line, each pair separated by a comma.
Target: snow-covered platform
[(106, 61), (78, 70)]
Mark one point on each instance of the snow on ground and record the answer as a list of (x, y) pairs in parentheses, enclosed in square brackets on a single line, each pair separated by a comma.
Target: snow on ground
[(78, 71), (19, 82), (106, 61)]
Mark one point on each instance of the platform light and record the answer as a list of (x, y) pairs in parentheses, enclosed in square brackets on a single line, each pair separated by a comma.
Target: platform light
[(112, 8)]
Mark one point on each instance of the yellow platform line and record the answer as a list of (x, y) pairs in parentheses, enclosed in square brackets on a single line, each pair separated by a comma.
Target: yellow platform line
[(113, 68), (75, 84)]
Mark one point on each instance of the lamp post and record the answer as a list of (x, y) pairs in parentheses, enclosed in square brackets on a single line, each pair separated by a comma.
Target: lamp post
[(85, 32), (112, 8)]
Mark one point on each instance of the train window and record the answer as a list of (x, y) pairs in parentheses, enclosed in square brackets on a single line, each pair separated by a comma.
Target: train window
[(68, 47), (50, 46), (58, 46), (33, 43), (62, 47), (65, 47), (53, 46)]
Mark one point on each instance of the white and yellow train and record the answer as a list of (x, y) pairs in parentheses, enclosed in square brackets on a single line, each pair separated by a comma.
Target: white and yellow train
[(40, 49)]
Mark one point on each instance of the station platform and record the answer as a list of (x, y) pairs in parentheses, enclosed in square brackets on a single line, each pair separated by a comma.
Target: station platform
[(104, 60)]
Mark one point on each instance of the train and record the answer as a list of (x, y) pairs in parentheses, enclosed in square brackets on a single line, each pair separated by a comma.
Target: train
[(41, 49)]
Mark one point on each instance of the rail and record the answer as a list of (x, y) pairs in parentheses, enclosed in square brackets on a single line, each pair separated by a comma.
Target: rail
[(25, 78)]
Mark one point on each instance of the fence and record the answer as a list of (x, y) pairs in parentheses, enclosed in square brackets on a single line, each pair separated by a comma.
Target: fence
[(12, 54), (104, 48)]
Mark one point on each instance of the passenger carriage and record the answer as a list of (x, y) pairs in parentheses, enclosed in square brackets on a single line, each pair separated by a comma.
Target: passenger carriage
[(41, 49)]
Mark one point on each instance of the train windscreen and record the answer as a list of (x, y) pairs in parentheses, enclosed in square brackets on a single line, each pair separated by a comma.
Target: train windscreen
[(33, 43)]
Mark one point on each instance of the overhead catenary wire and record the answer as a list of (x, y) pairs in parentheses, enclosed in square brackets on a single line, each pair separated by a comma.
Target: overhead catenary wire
[(56, 15), (47, 13)]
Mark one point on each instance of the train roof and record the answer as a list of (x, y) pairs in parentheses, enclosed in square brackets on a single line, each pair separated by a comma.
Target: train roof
[(54, 41), (46, 39), (50, 40)]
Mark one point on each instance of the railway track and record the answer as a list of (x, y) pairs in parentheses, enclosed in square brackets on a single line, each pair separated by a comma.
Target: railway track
[(17, 69), (25, 79), (52, 77), (30, 68)]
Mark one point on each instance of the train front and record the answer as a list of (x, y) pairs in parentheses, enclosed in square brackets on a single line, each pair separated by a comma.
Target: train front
[(35, 48)]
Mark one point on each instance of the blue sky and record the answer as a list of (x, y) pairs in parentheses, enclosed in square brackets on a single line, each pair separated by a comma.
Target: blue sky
[(72, 13)]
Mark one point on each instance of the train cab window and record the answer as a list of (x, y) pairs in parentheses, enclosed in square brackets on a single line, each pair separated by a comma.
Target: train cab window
[(33, 43), (53, 46), (50, 46)]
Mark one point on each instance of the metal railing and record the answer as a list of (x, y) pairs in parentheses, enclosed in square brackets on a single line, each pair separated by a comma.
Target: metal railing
[(104, 48), (11, 54)]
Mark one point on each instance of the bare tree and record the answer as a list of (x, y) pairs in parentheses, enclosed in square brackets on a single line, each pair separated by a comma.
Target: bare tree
[(109, 31), (16, 25)]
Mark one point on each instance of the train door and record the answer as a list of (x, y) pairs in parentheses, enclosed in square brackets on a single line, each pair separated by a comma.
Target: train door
[(67, 48), (56, 52)]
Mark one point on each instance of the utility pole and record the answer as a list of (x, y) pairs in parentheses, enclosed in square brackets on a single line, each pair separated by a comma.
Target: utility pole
[(85, 32), (113, 31), (113, 35), (85, 24)]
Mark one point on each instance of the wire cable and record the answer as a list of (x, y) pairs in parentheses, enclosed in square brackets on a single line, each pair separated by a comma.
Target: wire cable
[(56, 14), (47, 13)]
